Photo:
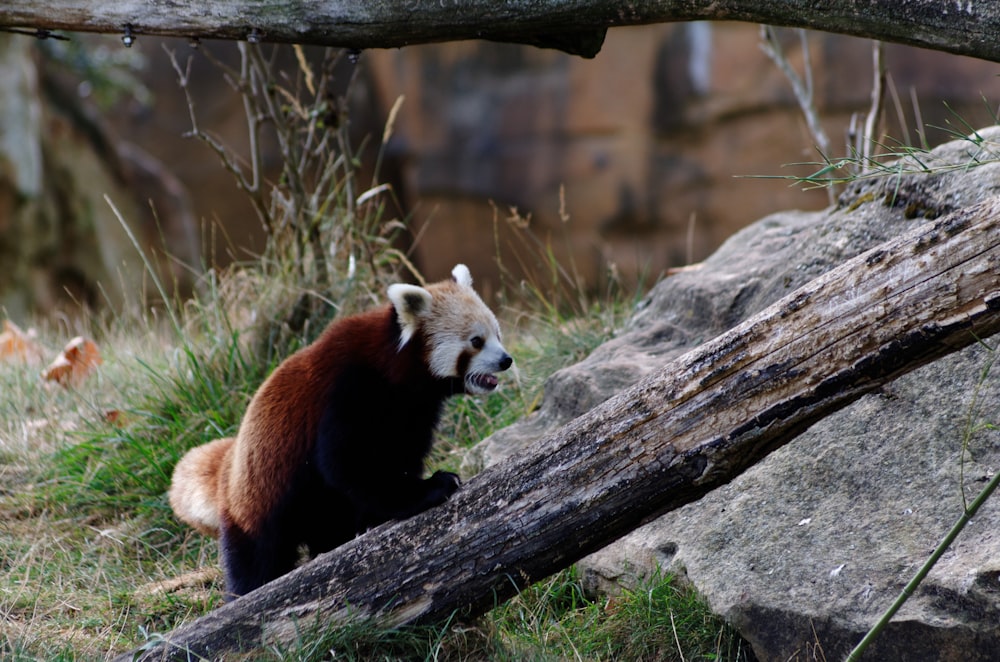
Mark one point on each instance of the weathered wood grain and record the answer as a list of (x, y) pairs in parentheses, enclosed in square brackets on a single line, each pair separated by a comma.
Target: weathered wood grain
[(575, 26), (693, 425)]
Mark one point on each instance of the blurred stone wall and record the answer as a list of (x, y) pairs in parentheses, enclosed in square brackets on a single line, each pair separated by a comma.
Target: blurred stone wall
[(650, 149), (655, 140), (62, 247)]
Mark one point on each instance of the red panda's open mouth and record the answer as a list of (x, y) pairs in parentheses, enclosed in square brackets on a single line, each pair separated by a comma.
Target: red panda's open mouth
[(481, 382)]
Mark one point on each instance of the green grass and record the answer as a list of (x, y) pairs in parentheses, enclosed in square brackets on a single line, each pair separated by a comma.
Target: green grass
[(551, 621), (655, 620), (84, 526), (894, 158), (114, 468)]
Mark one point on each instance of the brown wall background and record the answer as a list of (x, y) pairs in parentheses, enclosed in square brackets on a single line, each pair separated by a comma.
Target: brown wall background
[(651, 149)]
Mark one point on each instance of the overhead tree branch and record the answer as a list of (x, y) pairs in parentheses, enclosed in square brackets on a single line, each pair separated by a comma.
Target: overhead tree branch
[(693, 425), (575, 26)]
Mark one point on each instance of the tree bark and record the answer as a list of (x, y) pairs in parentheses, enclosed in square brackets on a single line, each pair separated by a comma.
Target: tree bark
[(575, 26), (693, 425)]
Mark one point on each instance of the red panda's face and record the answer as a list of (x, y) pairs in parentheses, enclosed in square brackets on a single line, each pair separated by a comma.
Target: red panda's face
[(460, 332), (472, 351)]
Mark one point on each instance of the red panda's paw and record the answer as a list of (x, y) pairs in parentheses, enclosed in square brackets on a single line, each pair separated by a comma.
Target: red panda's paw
[(442, 484)]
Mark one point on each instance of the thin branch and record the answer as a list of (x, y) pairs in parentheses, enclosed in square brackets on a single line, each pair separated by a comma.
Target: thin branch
[(252, 187), (897, 104), (870, 139), (253, 127), (802, 88), (968, 512), (912, 585)]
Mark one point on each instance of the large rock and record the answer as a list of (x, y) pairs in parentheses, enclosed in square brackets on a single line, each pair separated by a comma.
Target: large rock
[(805, 550)]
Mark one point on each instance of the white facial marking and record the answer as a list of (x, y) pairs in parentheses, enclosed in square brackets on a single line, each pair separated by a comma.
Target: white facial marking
[(463, 336), (410, 302)]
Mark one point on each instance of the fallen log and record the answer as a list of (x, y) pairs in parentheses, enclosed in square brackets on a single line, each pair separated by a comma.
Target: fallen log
[(689, 427)]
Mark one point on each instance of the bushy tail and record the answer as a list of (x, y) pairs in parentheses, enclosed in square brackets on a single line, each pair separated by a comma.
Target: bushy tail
[(194, 487)]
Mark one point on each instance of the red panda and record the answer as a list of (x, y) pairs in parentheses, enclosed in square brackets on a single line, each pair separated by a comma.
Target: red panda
[(334, 441)]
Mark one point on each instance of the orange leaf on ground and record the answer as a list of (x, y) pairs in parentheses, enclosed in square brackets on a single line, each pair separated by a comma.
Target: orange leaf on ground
[(116, 417), (77, 361), (16, 345)]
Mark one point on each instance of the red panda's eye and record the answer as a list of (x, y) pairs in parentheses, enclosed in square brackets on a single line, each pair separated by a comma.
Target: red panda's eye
[(477, 342)]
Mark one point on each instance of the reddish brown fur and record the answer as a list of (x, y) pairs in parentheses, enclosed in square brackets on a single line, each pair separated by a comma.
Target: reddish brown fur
[(334, 441), (273, 444)]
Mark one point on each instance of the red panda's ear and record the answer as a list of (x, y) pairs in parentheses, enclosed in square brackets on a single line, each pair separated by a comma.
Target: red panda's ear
[(410, 302), (461, 275)]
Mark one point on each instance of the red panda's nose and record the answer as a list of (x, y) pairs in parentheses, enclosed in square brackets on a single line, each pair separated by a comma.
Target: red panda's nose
[(505, 362)]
